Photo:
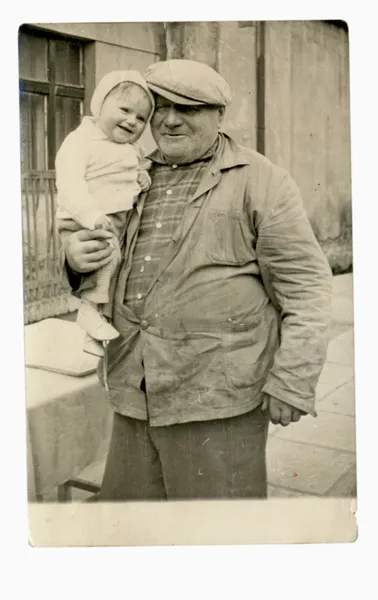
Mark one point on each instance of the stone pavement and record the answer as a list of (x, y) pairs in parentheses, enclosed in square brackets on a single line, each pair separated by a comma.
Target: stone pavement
[(315, 457)]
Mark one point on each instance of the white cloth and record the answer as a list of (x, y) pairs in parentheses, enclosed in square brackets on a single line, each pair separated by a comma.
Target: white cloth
[(95, 176)]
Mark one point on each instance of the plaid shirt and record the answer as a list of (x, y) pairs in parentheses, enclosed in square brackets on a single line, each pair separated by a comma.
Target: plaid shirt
[(172, 187)]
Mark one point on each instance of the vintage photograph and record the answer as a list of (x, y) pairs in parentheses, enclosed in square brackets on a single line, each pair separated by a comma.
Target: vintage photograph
[(187, 264)]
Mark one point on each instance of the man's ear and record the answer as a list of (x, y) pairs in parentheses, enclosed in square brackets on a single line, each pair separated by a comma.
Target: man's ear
[(221, 113)]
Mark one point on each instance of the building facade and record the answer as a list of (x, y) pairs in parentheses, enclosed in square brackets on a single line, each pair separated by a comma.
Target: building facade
[(291, 102)]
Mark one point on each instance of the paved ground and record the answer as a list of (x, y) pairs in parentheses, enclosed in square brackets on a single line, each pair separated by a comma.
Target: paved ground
[(315, 457)]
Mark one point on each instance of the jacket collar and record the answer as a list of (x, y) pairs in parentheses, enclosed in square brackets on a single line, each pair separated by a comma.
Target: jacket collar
[(230, 154)]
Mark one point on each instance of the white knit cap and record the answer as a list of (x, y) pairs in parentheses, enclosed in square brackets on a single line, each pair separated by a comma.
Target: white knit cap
[(110, 81)]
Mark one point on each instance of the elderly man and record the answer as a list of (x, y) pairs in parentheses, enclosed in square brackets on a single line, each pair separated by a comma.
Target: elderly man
[(223, 305)]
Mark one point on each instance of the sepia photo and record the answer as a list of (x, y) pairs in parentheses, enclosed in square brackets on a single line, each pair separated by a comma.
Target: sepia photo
[(188, 282)]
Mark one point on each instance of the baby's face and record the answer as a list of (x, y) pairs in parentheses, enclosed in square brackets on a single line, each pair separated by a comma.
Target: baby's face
[(124, 115)]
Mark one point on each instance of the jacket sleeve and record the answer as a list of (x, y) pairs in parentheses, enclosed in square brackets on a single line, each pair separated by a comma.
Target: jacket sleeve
[(73, 194), (76, 281), (298, 279)]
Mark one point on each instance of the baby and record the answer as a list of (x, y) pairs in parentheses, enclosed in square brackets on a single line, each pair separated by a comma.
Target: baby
[(100, 170)]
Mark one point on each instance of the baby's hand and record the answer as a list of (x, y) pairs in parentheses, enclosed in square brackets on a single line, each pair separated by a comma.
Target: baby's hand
[(144, 180), (103, 223)]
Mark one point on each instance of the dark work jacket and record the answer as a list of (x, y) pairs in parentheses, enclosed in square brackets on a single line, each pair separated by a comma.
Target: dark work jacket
[(239, 306)]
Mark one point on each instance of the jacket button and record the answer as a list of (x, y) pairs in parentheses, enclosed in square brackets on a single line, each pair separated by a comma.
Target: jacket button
[(144, 324)]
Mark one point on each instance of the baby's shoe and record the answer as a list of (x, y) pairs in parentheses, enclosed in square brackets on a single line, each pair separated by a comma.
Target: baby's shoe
[(89, 319), (92, 346)]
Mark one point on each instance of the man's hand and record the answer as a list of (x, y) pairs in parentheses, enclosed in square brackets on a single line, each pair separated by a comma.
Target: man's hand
[(281, 412), (87, 250)]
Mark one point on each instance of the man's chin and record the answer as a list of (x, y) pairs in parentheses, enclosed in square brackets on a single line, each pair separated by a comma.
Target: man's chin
[(174, 147)]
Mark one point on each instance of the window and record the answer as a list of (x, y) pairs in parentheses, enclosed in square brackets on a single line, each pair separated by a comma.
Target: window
[(51, 95)]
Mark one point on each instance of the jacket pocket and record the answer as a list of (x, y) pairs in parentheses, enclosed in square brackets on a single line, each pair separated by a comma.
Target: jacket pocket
[(243, 368), (225, 239), (250, 358), (172, 364)]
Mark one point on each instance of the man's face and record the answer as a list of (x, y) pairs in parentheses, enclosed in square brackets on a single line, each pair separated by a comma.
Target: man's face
[(184, 133), (124, 114)]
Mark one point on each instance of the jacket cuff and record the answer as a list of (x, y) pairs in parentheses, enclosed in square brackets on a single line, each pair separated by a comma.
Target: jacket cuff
[(307, 405), (73, 280)]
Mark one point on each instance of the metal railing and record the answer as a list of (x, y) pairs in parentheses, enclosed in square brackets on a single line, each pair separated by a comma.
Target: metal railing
[(46, 293)]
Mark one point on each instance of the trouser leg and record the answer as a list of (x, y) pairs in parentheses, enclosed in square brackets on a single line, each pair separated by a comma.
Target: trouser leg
[(133, 469), (224, 458)]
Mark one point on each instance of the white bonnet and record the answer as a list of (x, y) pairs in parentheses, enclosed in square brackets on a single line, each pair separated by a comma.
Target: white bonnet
[(110, 81)]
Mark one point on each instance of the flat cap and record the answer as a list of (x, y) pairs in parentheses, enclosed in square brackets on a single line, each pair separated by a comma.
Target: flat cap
[(188, 82)]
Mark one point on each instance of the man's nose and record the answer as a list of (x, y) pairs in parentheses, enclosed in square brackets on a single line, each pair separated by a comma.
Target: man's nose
[(172, 118)]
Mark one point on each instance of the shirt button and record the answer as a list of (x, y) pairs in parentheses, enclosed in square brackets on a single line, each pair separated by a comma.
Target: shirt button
[(147, 258), (139, 296), (174, 166), (169, 192), (144, 324), (159, 225)]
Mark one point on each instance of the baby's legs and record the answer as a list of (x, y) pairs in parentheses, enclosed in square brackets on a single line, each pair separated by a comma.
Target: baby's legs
[(103, 291), (91, 320), (97, 302), (97, 292)]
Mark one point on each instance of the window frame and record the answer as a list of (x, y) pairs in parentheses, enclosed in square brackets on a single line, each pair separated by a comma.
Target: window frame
[(50, 89)]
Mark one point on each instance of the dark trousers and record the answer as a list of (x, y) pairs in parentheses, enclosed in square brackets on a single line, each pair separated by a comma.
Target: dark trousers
[(223, 458)]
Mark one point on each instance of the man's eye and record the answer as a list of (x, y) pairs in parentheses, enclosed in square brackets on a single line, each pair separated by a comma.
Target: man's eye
[(125, 110), (188, 110)]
